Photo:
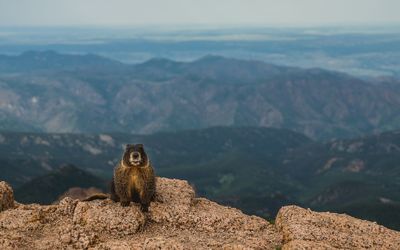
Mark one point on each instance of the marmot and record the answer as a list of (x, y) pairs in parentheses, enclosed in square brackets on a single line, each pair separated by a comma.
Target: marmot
[(133, 180)]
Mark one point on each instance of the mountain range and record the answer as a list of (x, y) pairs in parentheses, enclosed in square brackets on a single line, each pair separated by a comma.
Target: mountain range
[(51, 92), (255, 169), (247, 134)]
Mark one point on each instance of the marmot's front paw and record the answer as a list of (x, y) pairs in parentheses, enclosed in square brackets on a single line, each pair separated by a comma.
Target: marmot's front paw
[(144, 208), (125, 203)]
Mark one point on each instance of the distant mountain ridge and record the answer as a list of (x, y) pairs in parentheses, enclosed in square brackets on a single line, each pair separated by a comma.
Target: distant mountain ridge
[(28, 155), (91, 94), (48, 188), (31, 61)]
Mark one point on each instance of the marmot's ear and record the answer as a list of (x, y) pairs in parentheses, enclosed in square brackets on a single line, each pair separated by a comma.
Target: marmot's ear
[(128, 146), (140, 145)]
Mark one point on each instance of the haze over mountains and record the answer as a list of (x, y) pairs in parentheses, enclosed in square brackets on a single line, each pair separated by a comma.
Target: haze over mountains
[(51, 92), (371, 51)]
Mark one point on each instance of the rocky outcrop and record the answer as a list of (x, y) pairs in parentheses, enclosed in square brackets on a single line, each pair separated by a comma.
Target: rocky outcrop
[(179, 220), (6, 196), (305, 229)]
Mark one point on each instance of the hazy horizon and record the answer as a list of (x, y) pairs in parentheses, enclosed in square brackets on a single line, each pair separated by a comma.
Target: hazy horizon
[(189, 13)]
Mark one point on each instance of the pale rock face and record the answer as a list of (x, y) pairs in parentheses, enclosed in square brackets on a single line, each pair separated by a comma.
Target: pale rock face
[(178, 220), (91, 149), (2, 139), (107, 139)]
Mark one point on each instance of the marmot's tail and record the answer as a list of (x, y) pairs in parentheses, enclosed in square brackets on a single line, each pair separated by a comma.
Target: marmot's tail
[(99, 196)]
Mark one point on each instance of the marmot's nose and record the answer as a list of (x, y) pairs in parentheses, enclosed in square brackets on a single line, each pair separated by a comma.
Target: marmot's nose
[(135, 155)]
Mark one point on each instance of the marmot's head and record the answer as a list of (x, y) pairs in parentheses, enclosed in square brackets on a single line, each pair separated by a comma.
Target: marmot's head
[(135, 156)]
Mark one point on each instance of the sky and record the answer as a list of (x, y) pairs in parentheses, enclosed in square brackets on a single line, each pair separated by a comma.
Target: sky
[(197, 12)]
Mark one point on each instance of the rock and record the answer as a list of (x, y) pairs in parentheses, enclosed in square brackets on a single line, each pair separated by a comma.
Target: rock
[(179, 220), (174, 198), (176, 220), (6, 196), (305, 229), (235, 247), (111, 218), (307, 245), (161, 243)]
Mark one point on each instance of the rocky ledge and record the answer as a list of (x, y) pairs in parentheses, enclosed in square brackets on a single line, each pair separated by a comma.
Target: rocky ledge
[(178, 220)]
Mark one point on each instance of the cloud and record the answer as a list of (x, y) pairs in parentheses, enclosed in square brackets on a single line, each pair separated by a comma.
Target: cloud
[(186, 12)]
